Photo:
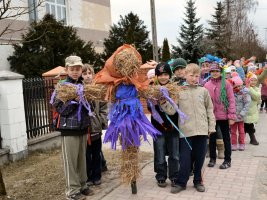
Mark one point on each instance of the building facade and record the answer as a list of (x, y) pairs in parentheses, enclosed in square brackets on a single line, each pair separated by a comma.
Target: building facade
[(91, 18)]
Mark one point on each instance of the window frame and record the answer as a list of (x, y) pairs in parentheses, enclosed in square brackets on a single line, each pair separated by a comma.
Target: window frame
[(63, 10)]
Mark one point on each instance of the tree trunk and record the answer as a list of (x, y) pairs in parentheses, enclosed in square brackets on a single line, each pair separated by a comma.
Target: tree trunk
[(2, 185)]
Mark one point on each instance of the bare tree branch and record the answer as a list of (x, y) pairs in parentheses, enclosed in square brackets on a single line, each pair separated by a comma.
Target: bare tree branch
[(13, 12)]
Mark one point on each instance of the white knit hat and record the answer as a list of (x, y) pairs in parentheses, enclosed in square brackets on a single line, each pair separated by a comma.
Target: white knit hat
[(151, 73)]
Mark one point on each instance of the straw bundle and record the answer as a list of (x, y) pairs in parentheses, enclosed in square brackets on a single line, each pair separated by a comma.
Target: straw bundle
[(66, 92), (173, 89), (95, 92), (153, 91), (129, 165), (127, 63)]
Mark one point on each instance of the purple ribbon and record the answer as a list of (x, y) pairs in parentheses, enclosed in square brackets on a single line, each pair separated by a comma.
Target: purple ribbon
[(154, 112), (82, 102), (52, 99), (165, 93)]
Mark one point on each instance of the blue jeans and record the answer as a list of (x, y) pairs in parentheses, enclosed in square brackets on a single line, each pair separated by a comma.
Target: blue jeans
[(167, 143), (199, 145)]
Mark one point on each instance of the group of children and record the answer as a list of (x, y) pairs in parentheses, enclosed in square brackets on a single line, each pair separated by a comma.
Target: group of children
[(218, 103), (216, 106)]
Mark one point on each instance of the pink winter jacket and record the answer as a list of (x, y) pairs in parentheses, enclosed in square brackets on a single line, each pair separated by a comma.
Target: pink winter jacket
[(214, 88)]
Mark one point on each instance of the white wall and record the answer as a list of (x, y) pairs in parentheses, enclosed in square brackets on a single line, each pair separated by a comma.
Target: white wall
[(6, 51), (12, 117)]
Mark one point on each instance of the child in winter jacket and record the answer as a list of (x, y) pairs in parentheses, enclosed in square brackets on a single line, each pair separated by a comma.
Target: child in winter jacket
[(242, 101), (97, 123), (73, 123), (168, 142), (253, 113), (196, 103), (223, 100)]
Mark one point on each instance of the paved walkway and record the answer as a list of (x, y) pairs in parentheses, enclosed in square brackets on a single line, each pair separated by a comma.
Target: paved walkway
[(245, 180)]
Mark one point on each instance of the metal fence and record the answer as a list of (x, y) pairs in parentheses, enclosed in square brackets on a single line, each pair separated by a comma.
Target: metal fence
[(38, 111)]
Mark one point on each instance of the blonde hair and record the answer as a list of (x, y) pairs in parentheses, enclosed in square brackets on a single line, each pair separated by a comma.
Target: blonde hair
[(193, 68), (88, 67)]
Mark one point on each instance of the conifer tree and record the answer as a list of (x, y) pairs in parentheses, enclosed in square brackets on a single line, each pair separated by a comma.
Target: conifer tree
[(165, 51), (217, 31), (191, 35), (129, 30), (46, 45)]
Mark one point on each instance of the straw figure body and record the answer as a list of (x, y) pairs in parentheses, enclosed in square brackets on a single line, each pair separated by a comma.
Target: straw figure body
[(120, 84)]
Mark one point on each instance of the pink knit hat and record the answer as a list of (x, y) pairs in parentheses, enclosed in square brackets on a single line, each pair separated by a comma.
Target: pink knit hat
[(151, 73), (236, 80)]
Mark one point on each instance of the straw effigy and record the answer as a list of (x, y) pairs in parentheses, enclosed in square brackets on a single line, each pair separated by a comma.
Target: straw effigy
[(127, 63), (130, 170)]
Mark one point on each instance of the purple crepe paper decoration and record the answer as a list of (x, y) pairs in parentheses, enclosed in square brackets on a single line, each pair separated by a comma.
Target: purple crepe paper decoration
[(165, 93), (154, 112)]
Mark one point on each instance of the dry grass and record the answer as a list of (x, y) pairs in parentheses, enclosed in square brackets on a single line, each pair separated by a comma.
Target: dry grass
[(40, 176)]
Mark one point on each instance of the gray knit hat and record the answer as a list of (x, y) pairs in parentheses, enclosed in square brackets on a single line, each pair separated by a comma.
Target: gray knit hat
[(178, 63)]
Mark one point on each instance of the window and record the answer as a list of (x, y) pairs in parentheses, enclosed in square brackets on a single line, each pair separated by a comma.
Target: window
[(33, 10), (57, 8)]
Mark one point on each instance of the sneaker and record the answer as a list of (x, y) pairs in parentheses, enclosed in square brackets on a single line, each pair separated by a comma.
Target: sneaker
[(77, 196), (241, 147), (211, 163), (177, 188), (234, 147), (200, 187), (225, 165), (87, 192), (162, 183), (261, 109), (98, 182)]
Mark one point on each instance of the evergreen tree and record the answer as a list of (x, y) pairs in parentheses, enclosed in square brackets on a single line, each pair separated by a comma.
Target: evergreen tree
[(191, 35), (129, 30), (217, 32), (46, 45), (165, 51)]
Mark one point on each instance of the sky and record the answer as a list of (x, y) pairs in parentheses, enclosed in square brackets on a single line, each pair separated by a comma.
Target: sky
[(169, 14)]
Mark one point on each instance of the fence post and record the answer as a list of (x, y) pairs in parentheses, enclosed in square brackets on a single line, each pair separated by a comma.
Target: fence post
[(12, 117)]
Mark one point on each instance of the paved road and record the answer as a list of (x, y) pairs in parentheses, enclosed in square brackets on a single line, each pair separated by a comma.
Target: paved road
[(245, 180)]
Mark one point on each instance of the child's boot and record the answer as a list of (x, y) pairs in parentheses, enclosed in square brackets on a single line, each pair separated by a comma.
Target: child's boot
[(220, 147), (253, 139)]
